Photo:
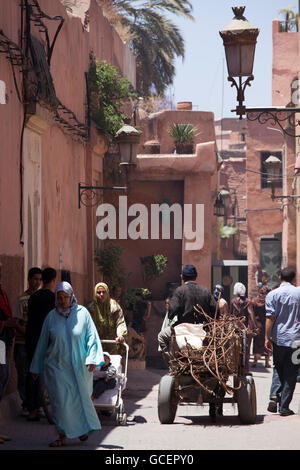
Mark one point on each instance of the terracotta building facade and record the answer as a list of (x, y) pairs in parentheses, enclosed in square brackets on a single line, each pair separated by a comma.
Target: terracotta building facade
[(48, 145)]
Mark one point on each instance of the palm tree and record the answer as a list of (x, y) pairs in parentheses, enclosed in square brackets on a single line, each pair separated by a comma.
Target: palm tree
[(289, 15), (154, 39)]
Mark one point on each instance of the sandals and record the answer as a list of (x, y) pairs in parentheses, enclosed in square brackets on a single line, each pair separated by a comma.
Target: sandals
[(60, 442)]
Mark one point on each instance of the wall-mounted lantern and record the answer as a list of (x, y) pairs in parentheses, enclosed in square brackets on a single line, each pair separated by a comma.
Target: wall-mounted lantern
[(219, 206), (128, 139), (225, 195), (273, 168)]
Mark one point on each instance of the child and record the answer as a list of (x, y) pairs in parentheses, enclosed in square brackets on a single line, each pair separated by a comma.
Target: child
[(104, 377)]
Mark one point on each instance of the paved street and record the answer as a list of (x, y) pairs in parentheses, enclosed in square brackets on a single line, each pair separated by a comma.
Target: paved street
[(191, 430)]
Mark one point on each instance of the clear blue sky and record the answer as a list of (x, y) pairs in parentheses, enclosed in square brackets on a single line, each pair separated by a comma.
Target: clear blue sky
[(200, 79)]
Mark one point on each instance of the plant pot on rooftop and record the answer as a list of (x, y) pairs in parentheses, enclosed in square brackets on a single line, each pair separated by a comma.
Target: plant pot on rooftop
[(152, 147), (183, 135)]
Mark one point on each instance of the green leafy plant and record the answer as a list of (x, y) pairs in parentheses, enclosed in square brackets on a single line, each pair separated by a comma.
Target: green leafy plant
[(182, 132), (108, 93), (154, 266), (109, 264), (227, 231), (133, 295)]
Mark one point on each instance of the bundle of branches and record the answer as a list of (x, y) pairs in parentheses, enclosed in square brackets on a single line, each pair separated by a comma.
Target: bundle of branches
[(219, 357)]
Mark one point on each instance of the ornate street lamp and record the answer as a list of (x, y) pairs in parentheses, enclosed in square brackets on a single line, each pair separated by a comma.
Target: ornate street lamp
[(239, 39)]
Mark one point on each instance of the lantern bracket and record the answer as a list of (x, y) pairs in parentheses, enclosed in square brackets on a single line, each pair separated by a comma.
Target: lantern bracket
[(241, 108), (284, 117), (90, 193)]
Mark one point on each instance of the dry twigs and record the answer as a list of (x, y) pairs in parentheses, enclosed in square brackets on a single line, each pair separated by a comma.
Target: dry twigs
[(219, 357)]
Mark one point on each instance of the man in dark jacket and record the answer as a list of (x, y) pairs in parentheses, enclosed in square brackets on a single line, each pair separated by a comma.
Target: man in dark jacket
[(182, 304), (39, 305), (187, 296)]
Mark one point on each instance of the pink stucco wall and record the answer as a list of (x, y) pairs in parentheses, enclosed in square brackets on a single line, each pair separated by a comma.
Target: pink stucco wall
[(185, 179), (264, 217), (11, 121), (65, 162), (157, 125), (285, 65)]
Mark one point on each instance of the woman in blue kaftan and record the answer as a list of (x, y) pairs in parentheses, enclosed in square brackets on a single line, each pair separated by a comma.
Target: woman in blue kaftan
[(68, 351)]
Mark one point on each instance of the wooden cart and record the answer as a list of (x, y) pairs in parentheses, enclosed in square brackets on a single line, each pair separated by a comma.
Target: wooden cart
[(180, 390)]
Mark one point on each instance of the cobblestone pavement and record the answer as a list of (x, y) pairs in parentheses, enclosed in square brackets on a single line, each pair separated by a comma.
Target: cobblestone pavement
[(192, 429)]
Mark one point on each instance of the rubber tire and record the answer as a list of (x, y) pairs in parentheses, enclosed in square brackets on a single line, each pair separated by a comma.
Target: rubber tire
[(123, 420), (246, 401), (167, 406)]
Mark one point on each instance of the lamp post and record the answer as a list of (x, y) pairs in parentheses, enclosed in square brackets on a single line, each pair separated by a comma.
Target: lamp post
[(239, 39)]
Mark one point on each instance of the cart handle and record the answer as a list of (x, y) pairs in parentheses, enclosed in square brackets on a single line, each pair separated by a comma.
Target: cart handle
[(113, 341)]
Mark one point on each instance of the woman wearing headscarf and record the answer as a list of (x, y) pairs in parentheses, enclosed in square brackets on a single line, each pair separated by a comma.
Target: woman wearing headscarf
[(108, 316), (68, 351), (260, 315), (241, 306)]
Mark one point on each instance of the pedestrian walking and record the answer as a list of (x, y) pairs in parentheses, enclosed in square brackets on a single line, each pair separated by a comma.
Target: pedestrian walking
[(108, 316), (283, 338), (261, 276), (6, 340), (68, 351), (20, 312), (39, 305), (259, 309), (241, 307), (218, 293), (7, 324)]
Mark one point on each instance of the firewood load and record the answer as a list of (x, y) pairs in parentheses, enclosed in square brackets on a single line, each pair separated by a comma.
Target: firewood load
[(220, 355)]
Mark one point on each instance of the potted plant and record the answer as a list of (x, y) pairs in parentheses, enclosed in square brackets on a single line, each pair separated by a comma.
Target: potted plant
[(183, 135), (152, 147)]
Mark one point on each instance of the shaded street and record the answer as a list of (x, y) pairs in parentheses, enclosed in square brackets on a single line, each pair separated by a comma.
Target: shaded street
[(192, 429)]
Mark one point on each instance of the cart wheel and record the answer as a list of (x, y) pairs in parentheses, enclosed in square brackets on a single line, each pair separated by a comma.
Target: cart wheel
[(167, 403), (246, 400), (123, 419)]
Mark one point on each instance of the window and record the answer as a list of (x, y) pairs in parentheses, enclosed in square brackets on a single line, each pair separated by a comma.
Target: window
[(263, 158)]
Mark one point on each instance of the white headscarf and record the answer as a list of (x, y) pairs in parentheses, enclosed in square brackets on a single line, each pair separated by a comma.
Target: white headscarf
[(67, 288), (239, 289)]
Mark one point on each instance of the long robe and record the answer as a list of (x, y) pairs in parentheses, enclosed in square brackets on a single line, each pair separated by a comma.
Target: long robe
[(66, 346)]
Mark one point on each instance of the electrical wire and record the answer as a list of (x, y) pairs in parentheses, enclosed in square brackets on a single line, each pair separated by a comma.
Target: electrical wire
[(261, 173)]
